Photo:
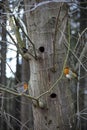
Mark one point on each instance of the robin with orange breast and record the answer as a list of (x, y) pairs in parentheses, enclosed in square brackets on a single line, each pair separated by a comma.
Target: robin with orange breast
[(69, 73)]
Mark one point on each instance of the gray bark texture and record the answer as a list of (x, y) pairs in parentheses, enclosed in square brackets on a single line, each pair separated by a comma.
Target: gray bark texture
[(44, 25), (26, 104)]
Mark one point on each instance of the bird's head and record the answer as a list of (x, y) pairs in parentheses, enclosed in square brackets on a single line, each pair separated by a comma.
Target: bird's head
[(66, 70)]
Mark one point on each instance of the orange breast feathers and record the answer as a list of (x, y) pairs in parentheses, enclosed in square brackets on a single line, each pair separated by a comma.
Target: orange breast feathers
[(69, 73), (25, 86), (66, 70)]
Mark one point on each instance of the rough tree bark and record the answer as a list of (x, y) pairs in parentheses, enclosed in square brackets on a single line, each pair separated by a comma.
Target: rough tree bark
[(3, 48), (26, 104), (83, 43), (44, 25)]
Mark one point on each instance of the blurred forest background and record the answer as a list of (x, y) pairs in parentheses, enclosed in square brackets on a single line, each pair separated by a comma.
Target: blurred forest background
[(16, 110)]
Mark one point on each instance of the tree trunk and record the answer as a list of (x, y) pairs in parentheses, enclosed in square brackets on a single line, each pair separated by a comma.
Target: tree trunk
[(3, 48), (26, 104), (83, 82), (46, 27)]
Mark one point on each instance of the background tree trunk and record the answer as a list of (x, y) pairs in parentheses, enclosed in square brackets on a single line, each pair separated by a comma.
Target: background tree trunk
[(3, 49), (83, 82), (26, 104)]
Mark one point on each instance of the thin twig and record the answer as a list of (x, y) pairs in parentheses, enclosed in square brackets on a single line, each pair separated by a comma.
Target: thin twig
[(83, 76), (8, 121), (18, 24), (16, 44), (15, 119), (76, 59), (66, 45), (15, 93), (9, 68), (82, 55), (9, 35), (7, 42), (80, 38), (78, 112), (55, 34), (23, 125)]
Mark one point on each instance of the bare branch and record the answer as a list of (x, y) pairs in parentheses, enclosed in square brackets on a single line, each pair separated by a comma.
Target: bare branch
[(80, 38), (76, 58), (55, 34), (47, 2), (82, 55), (18, 24), (78, 88), (11, 116), (9, 67), (2, 88)]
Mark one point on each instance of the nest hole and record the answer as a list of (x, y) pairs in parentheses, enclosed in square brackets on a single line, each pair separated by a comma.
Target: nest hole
[(41, 49), (53, 95)]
